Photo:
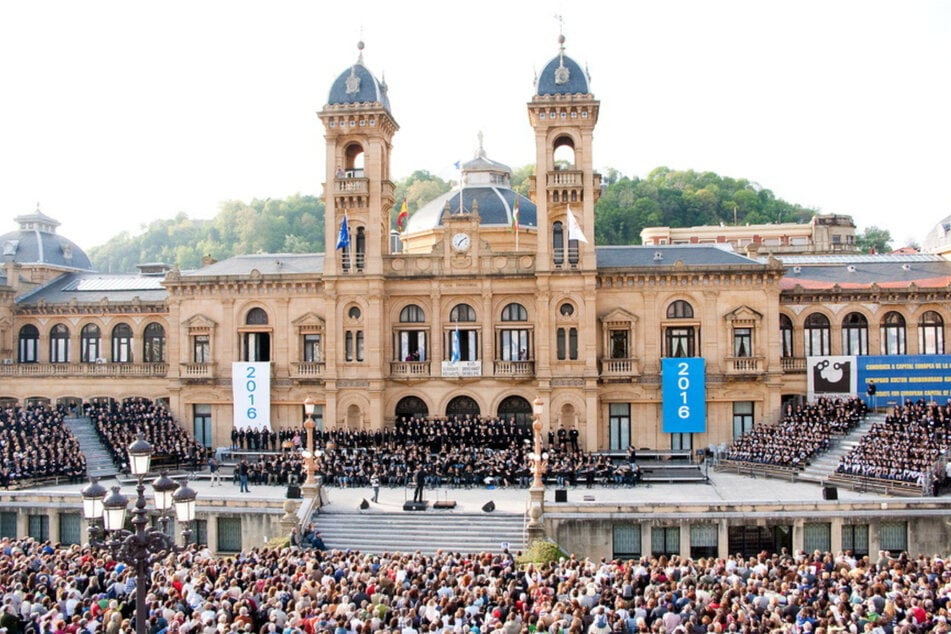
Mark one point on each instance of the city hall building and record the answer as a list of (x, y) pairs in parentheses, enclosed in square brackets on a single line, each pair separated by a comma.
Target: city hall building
[(486, 301)]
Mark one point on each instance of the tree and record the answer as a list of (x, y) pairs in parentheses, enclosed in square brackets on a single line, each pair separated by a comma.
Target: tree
[(874, 240)]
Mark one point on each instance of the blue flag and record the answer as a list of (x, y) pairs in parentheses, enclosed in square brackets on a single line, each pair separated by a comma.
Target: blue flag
[(454, 353), (343, 238)]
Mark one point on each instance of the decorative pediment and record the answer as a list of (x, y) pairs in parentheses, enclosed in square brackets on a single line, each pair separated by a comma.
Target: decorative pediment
[(199, 323), (618, 316), (310, 322), (743, 315)]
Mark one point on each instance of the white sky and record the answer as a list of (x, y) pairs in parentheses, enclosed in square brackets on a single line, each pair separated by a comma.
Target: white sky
[(115, 114)]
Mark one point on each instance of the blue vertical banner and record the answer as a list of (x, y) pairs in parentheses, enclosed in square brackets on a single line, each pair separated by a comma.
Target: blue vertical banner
[(684, 391)]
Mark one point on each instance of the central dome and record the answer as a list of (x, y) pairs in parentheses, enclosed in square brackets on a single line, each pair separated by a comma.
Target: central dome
[(358, 85)]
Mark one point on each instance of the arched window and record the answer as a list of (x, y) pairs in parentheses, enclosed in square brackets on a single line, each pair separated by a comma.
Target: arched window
[(153, 343), (816, 333), (931, 333), (411, 407), (680, 310), (59, 344), (515, 343), (90, 343), (29, 344), (855, 334), (411, 342), (680, 341), (518, 409), (893, 334), (122, 344), (461, 406), (256, 317), (462, 344), (353, 337), (558, 243), (786, 336), (566, 333), (361, 248)]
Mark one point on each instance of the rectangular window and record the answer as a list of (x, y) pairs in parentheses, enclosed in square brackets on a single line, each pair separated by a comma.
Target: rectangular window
[(201, 346), (201, 428), (8, 524), (855, 539), (742, 417), (627, 541), (121, 350), (817, 536), (360, 345), (703, 540), (931, 339), (573, 343), (199, 532), (513, 345), (619, 348), (312, 348), (229, 534), (59, 350), (786, 335), (353, 345), (665, 540), (742, 342), (89, 352), (467, 341), (29, 350), (70, 528), (681, 441), (894, 537), (38, 527), (680, 342), (620, 426), (411, 345), (561, 344)]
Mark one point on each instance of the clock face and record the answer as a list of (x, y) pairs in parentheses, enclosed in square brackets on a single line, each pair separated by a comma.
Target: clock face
[(460, 241)]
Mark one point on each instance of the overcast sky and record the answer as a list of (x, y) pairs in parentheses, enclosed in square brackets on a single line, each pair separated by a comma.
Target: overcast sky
[(115, 114)]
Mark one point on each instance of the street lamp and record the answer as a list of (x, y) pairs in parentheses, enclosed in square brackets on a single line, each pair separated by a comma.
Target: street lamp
[(539, 459), (309, 406), (144, 545)]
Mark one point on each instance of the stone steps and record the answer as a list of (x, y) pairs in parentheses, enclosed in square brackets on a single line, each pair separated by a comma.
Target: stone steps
[(425, 531), (824, 466), (98, 459)]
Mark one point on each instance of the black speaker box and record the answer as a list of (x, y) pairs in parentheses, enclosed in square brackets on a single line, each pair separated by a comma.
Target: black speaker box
[(415, 506), (830, 493), (293, 492), (561, 495), (489, 506)]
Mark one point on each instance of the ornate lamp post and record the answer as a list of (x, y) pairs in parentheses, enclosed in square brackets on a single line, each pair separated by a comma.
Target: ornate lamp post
[(309, 406), (144, 545), (539, 460)]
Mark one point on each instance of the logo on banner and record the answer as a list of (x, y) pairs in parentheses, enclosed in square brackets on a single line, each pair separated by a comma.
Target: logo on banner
[(832, 376)]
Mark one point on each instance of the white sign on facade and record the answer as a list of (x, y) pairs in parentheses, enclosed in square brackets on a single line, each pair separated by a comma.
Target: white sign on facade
[(251, 389)]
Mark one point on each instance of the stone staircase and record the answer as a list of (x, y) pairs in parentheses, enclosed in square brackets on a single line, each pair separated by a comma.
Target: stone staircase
[(824, 466), (423, 531), (98, 459)]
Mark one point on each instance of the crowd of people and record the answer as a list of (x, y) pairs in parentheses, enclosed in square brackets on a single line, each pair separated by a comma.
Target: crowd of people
[(462, 451), (120, 423), (907, 446), (49, 588), (804, 432), (36, 444)]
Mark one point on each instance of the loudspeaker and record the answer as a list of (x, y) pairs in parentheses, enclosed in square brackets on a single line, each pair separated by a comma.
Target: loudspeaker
[(830, 493), (293, 491), (489, 506), (415, 506), (561, 495), (364, 505)]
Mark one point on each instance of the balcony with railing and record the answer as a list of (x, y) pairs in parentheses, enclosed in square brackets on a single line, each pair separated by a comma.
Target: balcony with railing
[(198, 371), (745, 365), (794, 364), (308, 370), (514, 369), (619, 368), (409, 369), (82, 370)]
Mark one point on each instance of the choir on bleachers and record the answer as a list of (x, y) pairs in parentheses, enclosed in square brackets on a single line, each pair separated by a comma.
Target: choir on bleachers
[(36, 444)]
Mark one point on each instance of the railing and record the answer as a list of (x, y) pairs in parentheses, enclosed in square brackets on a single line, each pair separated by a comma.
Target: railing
[(762, 469), (566, 178), (198, 370), (514, 368), (351, 186), (409, 369), (794, 364), (745, 364), (615, 368), (106, 370), (308, 369)]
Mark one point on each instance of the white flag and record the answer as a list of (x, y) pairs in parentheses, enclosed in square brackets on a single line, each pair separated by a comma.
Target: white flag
[(574, 231)]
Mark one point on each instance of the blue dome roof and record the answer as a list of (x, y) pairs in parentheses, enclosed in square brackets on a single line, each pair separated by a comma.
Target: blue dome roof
[(358, 85), (36, 243), (494, 204), (562, 76)]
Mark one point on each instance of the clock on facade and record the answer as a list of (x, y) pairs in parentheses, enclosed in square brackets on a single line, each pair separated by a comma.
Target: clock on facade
[(460, 242)]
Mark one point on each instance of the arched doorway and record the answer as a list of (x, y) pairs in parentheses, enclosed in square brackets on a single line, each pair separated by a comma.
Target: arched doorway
[(518, 409), (461, 406), (410, 407)]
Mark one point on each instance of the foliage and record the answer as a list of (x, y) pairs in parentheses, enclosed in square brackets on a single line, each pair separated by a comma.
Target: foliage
[(541, 551), (278, 543), (292, 225), (675, 198), (874, 240)]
